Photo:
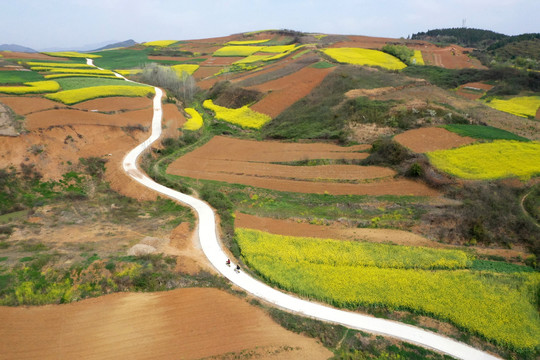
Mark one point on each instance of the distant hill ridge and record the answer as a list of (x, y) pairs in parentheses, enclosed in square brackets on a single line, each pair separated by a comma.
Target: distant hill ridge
[(125, 43), (16, 48)]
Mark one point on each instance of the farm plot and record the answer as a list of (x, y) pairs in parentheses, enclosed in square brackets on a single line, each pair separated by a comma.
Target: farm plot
[(33, 87), (358, 56), (474, 90), (285, 91), (250, 163), (27, 105), (499, 159), (244, 116), (499, 308), (18, 77), (116, 103), (63, 117), (524, 106), (430, 139), (74, 96)]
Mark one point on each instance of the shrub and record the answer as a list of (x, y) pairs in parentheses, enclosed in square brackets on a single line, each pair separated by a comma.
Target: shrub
[(402, 52)]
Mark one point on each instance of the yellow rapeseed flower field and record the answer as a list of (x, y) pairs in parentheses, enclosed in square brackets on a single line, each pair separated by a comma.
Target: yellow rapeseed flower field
[(417, 59), (71, 54), (252, 59), (244, 116), (53, 70), (56, 76), (160, 43), (498, 306), (278, 48), (34, 87), (195, 122), (524, 106), (58, 65), (77, 95), (499, 159), (368, 57), (129, 72), (188, 68)]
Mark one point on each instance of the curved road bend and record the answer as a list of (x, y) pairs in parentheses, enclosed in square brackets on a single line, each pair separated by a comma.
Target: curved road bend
[(212, 248)]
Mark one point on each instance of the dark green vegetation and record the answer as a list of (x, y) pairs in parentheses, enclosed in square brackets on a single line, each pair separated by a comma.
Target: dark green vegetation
[(352, 344), (19, 77), (224, 93), (70, 83), (461, 36), (483, 132), (532, 203), (403, 53)]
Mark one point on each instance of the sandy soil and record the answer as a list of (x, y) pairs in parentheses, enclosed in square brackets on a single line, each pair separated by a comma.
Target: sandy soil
[(431, 138), (115, 103), (23, 105), (179, 324), (287, 90), (246, 162)]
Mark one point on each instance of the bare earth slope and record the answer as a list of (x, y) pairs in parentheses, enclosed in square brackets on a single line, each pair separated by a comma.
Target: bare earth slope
[(179, 324)]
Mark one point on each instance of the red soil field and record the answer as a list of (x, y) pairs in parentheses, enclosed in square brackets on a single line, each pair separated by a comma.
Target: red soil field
[(23, 105), (287, 90), (115, 103), (35, 56), (205, 71), (171, 58), (231, 160), (450, 57), (47, 118), (430, 139), (179, 324), (367, 42), (471, 94)]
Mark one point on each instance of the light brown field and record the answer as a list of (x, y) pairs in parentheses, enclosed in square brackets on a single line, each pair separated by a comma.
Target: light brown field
[(431, 138), (115, 103), (178, 324), (24, 105), (34, 56), (248, 162)]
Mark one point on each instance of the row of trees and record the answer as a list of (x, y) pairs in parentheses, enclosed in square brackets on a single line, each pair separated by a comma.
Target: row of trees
[(182, 86)]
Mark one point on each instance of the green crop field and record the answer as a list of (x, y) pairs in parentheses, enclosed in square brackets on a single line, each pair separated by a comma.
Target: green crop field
[(18, 77), (500, 307), (483, 132), (84, 82)]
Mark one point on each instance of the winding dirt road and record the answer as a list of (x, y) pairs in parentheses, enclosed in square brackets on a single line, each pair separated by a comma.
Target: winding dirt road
[(211, 246)]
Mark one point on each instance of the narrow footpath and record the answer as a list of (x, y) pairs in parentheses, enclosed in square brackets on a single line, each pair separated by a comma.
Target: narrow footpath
[(211, 246)]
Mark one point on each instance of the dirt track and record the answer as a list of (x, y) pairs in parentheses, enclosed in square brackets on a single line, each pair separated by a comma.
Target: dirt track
[(179, 324)]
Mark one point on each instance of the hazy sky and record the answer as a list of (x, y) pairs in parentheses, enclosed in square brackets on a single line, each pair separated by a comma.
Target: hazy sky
[(41, 24)]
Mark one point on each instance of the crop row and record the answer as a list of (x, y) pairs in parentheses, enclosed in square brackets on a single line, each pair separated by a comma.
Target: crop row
[(188, 68), (499, 159), (53, 70), (77, 95), (368, 57), (72, 54), (244, 116), (499, 307), (246, 50), (160, 43), (34, 87)]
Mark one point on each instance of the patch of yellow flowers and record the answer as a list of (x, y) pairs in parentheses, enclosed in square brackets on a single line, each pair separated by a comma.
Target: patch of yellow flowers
[(33, 87), (195, 122), (495, 160), (77, 95), (244, 116), (524, 106), (358, 56), (500, 307)]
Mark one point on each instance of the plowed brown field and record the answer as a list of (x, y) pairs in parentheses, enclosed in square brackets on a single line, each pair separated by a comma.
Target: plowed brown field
[(23, 55), (205, 71), (220, 60), (430, 139), (287, 90), (247, 162), (115, 103), (178, 324), (47, 118), (450, 57), (25, 105)]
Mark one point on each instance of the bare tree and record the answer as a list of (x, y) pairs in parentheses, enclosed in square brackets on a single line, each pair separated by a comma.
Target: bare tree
[(182, 86)]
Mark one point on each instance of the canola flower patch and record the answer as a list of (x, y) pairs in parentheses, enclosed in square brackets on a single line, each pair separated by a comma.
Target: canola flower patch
[(129, 72), (417, 58), (188, 68), (33, 87), (358, 56), (71, 54), (74, 96), (252, 59), (278, 48), (53, 70), (495, 160), (239, 50), (247, 42), (524, 106), (195, 122), (500, 307), (244, 116), (160, 43)]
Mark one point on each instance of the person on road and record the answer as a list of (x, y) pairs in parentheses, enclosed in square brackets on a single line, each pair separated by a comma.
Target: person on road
[(228, 262), (237, 268)]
